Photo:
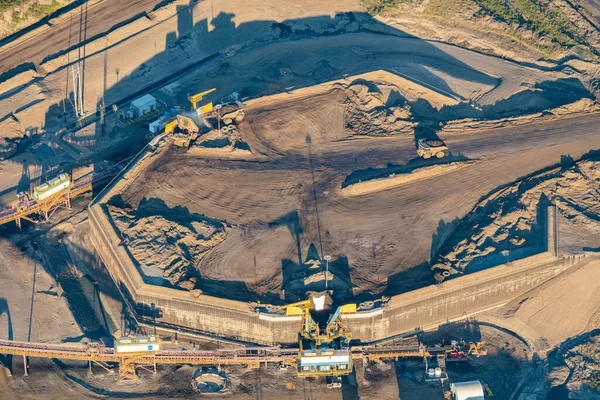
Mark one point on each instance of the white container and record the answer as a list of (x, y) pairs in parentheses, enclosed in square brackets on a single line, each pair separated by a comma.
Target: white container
[(143, 105), (52, 187)]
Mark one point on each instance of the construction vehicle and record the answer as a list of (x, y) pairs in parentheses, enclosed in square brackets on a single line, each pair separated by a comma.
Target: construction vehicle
[(230, 112), (324, 353), (54, 186), (477, 349), (194, 99), (488, 391), (457, 352), (427, 148), (183, 132)]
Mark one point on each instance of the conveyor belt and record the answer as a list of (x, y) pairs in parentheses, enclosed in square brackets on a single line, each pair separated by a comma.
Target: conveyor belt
[(79, 187)]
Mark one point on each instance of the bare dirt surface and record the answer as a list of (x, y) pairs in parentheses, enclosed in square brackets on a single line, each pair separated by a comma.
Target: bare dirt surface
[(509, 223), (564, 307), (326, 166), (286, 204), (77, 26)]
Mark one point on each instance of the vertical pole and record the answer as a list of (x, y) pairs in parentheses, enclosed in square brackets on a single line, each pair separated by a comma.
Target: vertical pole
[(80, 89), (25, 365), (326, 272), (154, 361), (327, 258), (90, 366), (75, 101)]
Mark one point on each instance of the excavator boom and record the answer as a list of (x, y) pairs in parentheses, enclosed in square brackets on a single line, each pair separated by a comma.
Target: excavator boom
[(194, 99)]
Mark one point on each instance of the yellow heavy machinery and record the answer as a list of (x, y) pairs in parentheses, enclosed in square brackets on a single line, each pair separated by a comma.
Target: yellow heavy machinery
[(324, 353), (194, 99), (183, 132), (473, 349)]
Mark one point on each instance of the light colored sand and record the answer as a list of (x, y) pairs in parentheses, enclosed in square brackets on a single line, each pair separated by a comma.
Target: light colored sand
[(377, 185), (563, 307), (512, 218)]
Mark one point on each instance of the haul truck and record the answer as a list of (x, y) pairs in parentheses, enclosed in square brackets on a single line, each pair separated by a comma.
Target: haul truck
[(428, 148)]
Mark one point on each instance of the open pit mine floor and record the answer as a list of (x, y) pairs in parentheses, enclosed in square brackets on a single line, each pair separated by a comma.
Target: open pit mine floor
[(245, 215)]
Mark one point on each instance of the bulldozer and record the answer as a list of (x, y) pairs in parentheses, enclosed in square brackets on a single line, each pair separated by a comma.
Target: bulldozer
[(427, 148)]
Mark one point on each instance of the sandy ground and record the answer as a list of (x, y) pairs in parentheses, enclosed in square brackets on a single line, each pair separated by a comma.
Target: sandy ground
[(511, 220), (249, 220), (30, 295), (285, 205), (563, 307)]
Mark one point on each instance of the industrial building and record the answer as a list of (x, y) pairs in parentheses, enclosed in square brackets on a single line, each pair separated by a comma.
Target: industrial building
[(143, 105)]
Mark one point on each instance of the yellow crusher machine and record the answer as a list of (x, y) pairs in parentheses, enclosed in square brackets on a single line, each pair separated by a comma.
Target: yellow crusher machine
[(322, 353)]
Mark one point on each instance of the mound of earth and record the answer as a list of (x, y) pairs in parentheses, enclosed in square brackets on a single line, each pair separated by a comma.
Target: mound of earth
[(370, 110), (401, 178), (576, 374), (12, 134), (167, 248), (510, 221)]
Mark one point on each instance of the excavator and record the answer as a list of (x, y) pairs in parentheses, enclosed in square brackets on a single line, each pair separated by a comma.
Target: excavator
[(322, 353), (456, 352), (195, 98)]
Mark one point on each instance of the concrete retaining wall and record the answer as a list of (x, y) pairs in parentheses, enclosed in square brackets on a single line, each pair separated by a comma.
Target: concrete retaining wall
[(419, 309), (467, 295), (209, 314)]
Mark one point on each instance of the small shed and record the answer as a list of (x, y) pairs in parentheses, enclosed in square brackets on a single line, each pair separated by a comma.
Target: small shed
[(143, 105), (472, 390), (156, 126)]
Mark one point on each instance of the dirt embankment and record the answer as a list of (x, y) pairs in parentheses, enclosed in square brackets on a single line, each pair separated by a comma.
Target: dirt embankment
[(167, 243), (523, 30), (575, 370), (399, 179), (508, 223)]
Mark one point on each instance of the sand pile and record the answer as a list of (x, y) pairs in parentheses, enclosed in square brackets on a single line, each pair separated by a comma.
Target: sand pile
[(401, 178), (371, 111), (578, 372), (12, 134), (166, 248), (510, 220)]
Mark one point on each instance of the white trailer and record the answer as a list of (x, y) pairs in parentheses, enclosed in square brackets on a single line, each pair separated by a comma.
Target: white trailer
[(139, 344), (52, 187)]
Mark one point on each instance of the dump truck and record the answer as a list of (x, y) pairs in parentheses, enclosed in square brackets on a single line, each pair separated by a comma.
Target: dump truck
[(229, 112), (427, 148), (185, 131)]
